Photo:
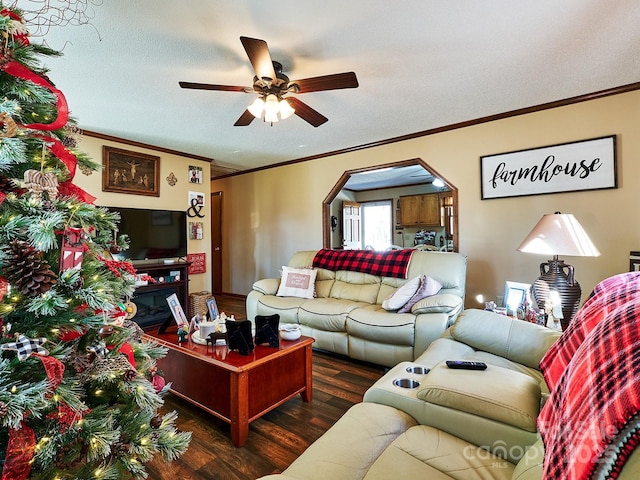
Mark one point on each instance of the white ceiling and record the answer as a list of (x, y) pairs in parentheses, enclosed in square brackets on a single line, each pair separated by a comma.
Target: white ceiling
[(421, 64)]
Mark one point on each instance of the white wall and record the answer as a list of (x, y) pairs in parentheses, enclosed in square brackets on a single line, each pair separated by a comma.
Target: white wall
[(270, 214)]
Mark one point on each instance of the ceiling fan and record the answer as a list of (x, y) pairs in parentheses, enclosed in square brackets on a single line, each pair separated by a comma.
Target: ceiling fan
[(272, 85)]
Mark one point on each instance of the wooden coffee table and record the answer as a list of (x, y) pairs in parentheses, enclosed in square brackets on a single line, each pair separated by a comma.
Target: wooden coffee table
[(236, 388)]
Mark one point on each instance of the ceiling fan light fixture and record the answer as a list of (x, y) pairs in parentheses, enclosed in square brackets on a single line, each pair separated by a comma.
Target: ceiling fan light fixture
[(256, 108), (286, 110), (271, 109)]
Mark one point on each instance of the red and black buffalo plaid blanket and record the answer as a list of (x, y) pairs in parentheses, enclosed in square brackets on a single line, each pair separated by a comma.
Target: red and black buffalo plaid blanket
[(590, 423), (392, 263)]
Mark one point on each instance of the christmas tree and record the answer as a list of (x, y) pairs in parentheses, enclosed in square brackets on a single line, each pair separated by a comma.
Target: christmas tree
[(79, 391)]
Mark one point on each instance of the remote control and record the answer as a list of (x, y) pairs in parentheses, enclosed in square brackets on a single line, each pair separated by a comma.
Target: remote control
[(464, 365)]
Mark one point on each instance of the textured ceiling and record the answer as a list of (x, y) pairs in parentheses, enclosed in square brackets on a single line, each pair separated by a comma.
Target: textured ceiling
[(421, 64)]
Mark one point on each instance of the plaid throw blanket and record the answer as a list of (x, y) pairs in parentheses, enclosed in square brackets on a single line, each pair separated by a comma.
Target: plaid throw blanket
[(589, 423), (606, 297), (393, 263)]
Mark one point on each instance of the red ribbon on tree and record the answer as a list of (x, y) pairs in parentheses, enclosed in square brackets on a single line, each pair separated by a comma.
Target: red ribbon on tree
[(20, 450), (70, 161), (22, 442), (127, 350), (18, 70), (54, 369)]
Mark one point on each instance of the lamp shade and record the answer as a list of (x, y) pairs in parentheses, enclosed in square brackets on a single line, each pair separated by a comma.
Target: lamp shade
[(559, 234)]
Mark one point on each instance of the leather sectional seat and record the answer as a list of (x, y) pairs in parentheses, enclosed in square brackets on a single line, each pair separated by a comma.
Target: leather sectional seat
[(548, 406)]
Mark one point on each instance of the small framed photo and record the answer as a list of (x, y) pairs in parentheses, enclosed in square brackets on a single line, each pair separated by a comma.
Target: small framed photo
[(514, 295), (195, 230), (176, 310), (212, 306), (196, 199), (130, 172), (195, 174)]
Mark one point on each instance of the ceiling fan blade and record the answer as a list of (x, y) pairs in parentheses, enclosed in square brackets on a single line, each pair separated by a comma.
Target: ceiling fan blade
[(326, 82), (245, 119), (259, 56), (209, 86), (307, 113)]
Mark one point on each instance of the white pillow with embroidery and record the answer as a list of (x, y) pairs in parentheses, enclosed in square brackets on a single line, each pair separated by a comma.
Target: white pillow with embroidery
[(297, 282)]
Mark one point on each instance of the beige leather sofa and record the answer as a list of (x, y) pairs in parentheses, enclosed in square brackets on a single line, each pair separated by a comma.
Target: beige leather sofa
[(346, 315), (456, 424)]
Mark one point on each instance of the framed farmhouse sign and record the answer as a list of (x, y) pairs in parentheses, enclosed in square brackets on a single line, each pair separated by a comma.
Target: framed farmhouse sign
[(567, 167)]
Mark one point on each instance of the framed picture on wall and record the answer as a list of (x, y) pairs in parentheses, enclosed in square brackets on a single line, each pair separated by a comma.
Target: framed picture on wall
[(130, 172), (195, 174)]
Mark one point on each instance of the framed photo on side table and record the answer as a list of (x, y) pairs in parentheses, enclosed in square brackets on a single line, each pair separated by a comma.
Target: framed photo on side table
[(514, 294), (212, 306), (176, 310)]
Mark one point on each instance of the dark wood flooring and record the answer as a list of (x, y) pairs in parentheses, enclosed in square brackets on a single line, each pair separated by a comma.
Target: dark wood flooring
[(277, 438)]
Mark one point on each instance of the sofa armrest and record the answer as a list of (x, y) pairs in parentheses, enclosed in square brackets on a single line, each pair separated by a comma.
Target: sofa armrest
[(514, 339), (442, 303), (428, 328), (268, 286), (495, 393)]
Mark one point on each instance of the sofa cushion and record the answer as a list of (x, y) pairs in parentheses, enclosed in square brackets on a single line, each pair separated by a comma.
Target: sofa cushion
[(356, 286), (517, 340), (495, 393), (371, 322), (428, 288), (328, 314), (447, 268), (297, 282), (402, 294), (428, 453)]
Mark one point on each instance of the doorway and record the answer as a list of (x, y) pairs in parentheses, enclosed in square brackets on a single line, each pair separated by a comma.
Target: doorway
[(216, 242), (423, 178)]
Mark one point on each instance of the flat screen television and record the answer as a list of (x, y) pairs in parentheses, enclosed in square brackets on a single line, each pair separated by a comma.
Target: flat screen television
[(153, 234)]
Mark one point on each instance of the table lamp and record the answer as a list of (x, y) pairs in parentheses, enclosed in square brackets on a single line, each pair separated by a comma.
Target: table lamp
[(558, 234)]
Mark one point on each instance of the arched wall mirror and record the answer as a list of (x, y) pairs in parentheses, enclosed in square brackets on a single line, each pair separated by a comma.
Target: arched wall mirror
[(404, 204)]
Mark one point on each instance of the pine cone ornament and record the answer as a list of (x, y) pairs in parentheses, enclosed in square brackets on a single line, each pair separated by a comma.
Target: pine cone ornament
[(27, 270), (7, 185), (3, 409), (129, 375), (156, 421), (6, 54), (81, 361)]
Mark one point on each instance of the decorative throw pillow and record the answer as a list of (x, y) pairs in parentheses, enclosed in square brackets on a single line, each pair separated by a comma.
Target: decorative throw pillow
[(428, 288), (297, 282), (402, 294)]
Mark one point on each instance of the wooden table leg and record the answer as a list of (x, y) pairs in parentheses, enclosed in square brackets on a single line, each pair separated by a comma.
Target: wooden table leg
[(307, 394), (239, 408)]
